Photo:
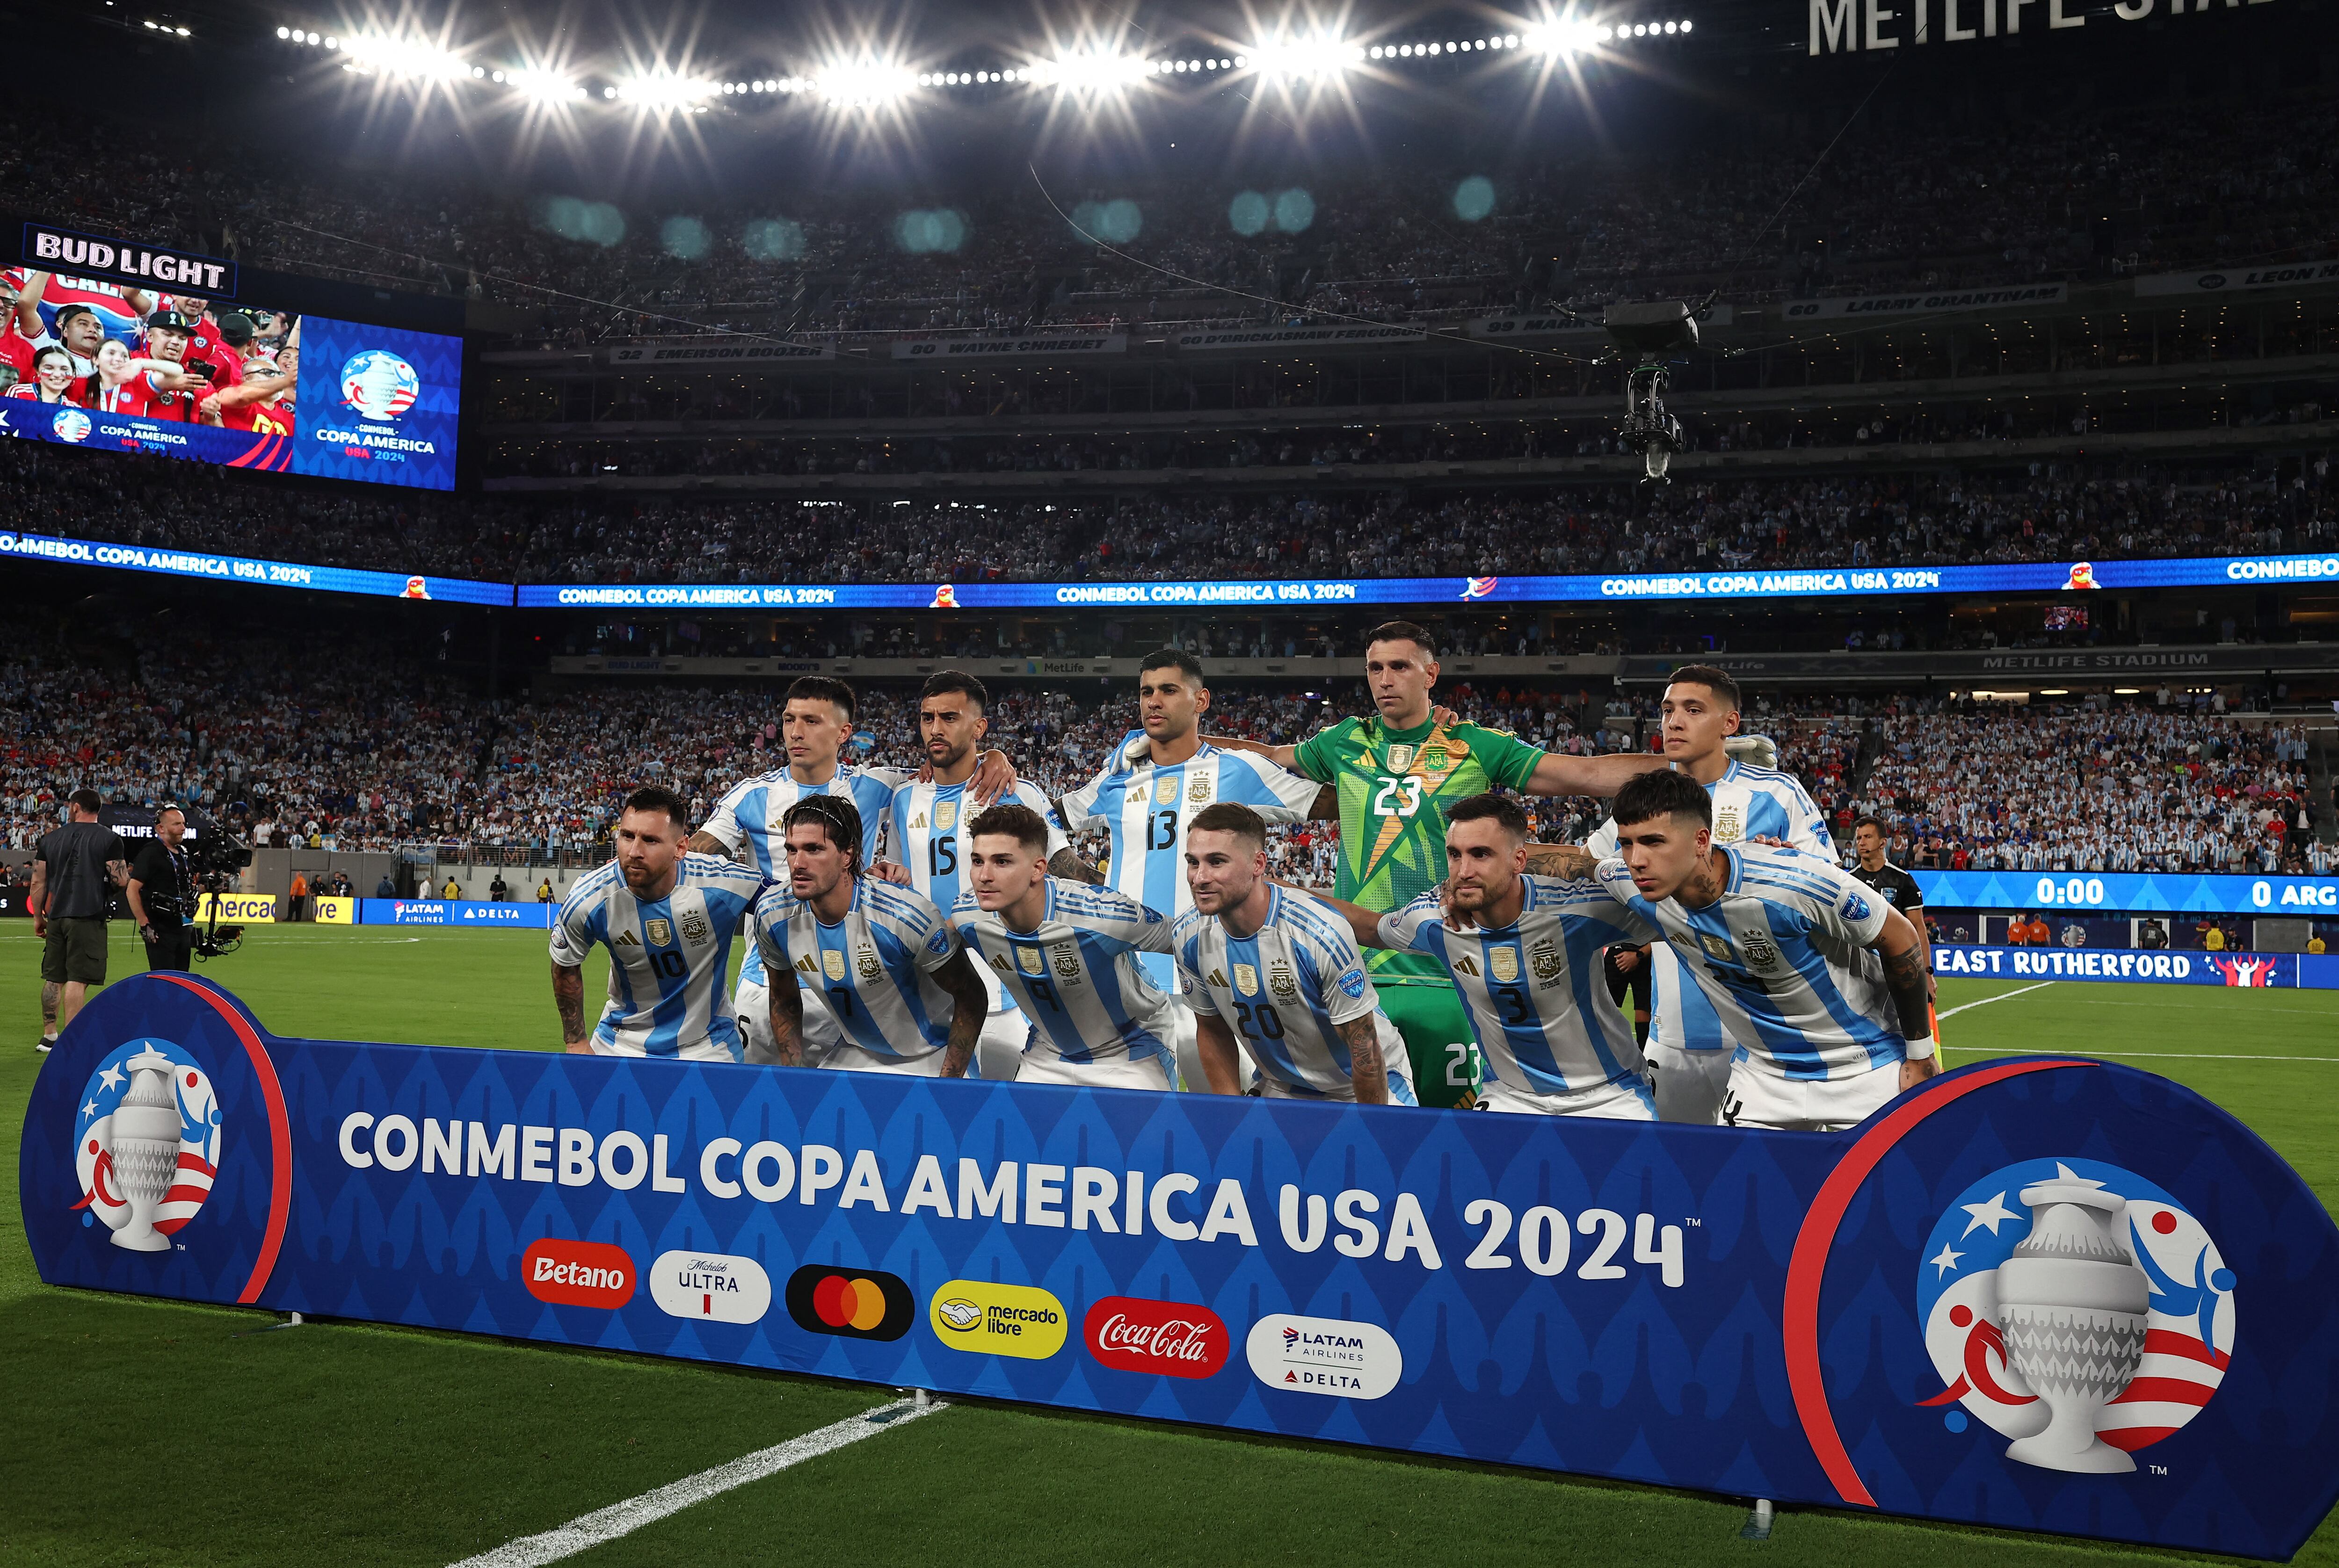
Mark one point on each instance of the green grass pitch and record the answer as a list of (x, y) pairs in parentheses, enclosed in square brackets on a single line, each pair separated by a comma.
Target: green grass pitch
[(142, 1432)]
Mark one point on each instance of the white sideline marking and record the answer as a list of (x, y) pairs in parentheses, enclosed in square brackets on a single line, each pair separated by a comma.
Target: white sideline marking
[(618, 1519), (2001, 996), (2168, 1055)]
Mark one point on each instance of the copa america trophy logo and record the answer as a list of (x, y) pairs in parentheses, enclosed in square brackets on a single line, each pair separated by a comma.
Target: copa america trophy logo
[(2094, 1328), (71, 425), (146, 1144), (379, 385)]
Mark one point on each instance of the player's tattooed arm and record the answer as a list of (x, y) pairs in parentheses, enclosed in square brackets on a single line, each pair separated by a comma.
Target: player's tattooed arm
[(1570, 861), (1067, 863), (970, 1005), (568, 996), (704, 843), (1904, 975), (1214, 1043), (1367, 1071), (1559, 773), (785, 1010)]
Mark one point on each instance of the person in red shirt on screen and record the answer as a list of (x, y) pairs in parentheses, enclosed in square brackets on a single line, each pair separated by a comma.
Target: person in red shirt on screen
[(53, 380), (179, 387), (261, 401), (128, 384)]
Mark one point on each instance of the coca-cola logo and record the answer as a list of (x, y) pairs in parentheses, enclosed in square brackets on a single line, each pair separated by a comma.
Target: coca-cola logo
[(1176, 1338)]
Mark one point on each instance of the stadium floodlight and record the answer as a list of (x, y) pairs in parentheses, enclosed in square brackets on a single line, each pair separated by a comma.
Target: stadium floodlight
[(403, 57), (865, 84), (663, 92), (1095, 71), (1324, 53), (543, 87)]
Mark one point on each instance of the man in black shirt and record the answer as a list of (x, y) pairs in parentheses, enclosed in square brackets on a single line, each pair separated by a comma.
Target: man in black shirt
[(1870, 838), (162, 890), (70, 869)]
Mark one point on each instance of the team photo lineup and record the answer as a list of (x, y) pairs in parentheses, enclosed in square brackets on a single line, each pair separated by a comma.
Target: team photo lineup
[(938, 923), (1210, 782)]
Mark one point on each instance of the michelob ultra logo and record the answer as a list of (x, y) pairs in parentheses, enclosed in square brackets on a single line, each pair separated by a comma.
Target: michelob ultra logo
[(989, 1319), (578, 1273), (710, 1286)]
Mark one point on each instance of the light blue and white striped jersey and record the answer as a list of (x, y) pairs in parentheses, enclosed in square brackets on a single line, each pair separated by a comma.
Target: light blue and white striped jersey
[(669, 956), (747, 820), (1534, 991), (929, 827), (1286, 989), (1747, 802), (1783, 957), (1076, 976), (1146, 808), (873, 972)]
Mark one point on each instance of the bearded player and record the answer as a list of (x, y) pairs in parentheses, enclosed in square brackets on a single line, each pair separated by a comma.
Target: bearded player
[(1395, 773), (1689, 1048)]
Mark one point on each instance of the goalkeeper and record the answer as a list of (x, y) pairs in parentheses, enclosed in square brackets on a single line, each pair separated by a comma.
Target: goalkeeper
[(1393, 775)]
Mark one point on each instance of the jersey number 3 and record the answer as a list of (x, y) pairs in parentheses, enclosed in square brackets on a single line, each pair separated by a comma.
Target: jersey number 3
[(1397, 797)]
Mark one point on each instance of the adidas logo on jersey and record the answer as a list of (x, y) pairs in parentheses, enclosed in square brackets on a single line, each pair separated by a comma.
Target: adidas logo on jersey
[(627, 939), (1468, 966), (1218, 980)]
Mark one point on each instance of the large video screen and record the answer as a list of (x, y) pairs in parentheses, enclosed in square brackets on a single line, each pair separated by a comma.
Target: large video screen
[(87, 362)]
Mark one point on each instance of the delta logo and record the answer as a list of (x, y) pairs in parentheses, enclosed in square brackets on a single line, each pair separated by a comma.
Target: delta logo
[(566, 1273), (146, 1145), (1175, 1338), (1333, 1357), (851, 1303)]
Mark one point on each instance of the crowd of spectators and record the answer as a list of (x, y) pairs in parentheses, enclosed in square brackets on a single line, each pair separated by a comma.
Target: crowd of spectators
[(367, 748), (2250, 180), (2168, 784), (2028, 513)]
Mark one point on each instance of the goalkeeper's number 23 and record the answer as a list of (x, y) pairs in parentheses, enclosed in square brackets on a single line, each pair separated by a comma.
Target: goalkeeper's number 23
[(1397, 797)]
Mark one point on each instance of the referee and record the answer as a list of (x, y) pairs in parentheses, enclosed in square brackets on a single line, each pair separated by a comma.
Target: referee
[(161, 891), (1869, 839)]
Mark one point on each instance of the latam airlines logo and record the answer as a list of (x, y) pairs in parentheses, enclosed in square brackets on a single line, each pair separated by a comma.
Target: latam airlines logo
[(1333, 1357), (2090, 1319), (379, 385), (146, 1143)]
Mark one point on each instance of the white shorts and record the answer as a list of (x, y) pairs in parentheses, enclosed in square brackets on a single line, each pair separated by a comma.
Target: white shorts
[(706, 1050), (752, 1005), (1761, 1099), (1626, 1101), (846, 1057), (1150, 1073), (999, 1050), (1400, 1090), (1689, 1084)]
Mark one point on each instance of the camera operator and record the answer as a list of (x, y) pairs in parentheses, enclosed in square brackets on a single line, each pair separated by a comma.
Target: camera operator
[(70, 869), (162, 890)]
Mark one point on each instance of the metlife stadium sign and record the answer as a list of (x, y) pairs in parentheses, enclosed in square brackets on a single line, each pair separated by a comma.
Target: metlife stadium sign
[(2041, 1292)]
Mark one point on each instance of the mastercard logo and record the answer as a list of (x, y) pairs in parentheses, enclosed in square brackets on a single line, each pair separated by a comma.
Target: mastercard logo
[(851, 1303)]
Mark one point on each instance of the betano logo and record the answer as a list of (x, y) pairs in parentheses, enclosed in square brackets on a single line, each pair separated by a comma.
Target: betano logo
[(974, 1314), (851, 1303), (1333, 1357), (578, 1273)]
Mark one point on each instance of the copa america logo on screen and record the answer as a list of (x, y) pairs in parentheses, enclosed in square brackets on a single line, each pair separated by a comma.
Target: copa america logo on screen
[(2088, 1321), (71, 425), (146, 1143), (379, 385)]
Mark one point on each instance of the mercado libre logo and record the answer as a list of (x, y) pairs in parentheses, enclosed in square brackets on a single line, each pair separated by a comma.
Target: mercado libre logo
[(379, 385), (851, 1303), (146, 1144), (2076, 1308)]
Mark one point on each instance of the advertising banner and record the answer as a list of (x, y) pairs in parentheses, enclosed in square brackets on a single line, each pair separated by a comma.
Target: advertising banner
[(455, 911), (2135, 966), (2290, 276), (239, 908), (1934, 302), (332, 911), (2138, 892), (2044, 1294), (243, 569), (1354, 334), (49, 249), (716, 351), (1044, 346)]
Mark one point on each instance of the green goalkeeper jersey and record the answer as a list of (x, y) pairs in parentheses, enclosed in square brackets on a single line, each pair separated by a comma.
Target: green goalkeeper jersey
[(1393, 787)]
